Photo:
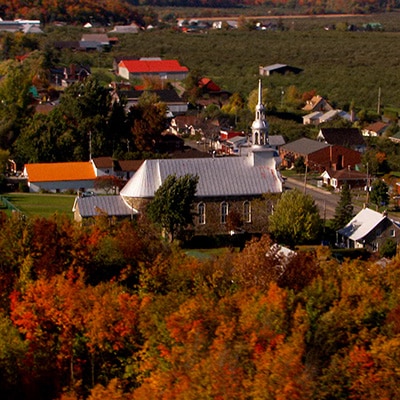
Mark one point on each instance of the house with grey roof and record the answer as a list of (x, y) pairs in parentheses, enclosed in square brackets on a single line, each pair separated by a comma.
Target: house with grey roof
[(369, 230), (176, 104), (319, 117), (278, 69), (319, 156)]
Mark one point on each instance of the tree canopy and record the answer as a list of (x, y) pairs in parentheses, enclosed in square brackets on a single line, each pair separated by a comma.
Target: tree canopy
[(171, 207), (295, 219), (379, 193)]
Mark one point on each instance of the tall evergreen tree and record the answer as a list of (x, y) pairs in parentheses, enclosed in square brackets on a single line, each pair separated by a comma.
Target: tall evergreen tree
[(344, 211)]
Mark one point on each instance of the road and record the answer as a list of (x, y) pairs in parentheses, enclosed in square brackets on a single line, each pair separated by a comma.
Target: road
[(325, 201)]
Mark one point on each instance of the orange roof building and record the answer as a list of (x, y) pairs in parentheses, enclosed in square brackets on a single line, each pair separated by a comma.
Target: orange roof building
[(59, 177), (165, 69)]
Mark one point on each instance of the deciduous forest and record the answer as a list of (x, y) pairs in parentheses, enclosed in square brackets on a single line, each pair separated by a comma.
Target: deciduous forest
[(102, 312), (123, 10)]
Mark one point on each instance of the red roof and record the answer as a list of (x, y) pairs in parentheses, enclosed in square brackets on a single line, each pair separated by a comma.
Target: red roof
[(152, 66), (53, 172), (209, 85)]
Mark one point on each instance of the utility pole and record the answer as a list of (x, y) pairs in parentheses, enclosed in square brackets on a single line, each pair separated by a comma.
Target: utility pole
[(305, 179), (379, 101)]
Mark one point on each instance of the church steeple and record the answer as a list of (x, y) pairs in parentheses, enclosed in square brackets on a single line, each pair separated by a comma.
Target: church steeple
[(260, 126)]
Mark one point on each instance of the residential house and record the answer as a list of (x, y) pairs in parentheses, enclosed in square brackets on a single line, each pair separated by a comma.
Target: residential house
[(369, 230), (395, 138), (337, 178), (375, 129), (105, 166), (319, 156), (128, 168), (317, 103), (66, 76), (319, 117), (175, 104), (60, 177), (347, 137), (21, 25), (186, 125), (164, 69), (191, 125), (233, 145), (278, 69), (313, 118), (132, 28), (211, 93), (94, 41)]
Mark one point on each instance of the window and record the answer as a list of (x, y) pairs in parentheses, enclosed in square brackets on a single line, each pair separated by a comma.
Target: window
[(201, 209), (224, 212), (247, 211), (392, 233)]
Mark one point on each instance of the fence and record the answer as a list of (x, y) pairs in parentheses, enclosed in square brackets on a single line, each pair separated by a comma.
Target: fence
[(9, 206)]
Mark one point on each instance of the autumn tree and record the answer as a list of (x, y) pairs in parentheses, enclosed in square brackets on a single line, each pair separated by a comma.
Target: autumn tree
[(108, 183), (295, 219), (171, 207), (147, 121)]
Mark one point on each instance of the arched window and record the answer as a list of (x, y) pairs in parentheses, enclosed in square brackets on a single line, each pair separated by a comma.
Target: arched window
[(201, 209), (247, 211), (224, 212)]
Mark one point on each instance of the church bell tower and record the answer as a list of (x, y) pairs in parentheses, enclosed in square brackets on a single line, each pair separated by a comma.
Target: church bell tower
[(260, 127)]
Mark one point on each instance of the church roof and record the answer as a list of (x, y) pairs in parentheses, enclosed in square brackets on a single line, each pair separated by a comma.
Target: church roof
[(103, 205), (219, 176)]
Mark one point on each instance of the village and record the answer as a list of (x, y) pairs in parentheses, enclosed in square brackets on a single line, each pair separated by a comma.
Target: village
[(199, 203), (194, 144)]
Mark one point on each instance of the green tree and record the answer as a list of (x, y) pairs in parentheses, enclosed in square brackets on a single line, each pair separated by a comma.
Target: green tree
[(15, 105), (295, 219), (344, 211), (86, 106), (388, 248), (380, 193), (172, 204)]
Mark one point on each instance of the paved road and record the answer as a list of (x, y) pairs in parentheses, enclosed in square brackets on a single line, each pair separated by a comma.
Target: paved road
[(326, 201)]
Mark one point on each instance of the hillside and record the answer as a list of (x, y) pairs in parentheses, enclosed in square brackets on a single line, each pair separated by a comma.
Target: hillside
[(107, 11)]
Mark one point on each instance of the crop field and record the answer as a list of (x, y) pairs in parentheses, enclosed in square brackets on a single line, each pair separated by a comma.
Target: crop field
[(42, 205)]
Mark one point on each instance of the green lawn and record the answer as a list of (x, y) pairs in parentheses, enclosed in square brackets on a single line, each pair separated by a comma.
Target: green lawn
[(43, 205)]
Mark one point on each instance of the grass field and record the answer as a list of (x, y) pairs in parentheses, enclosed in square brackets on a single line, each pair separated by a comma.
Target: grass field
[(43, 205)]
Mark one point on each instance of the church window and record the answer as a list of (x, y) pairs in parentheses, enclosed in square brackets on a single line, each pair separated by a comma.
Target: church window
[(247, 211), (201, 209), (224, 212)]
